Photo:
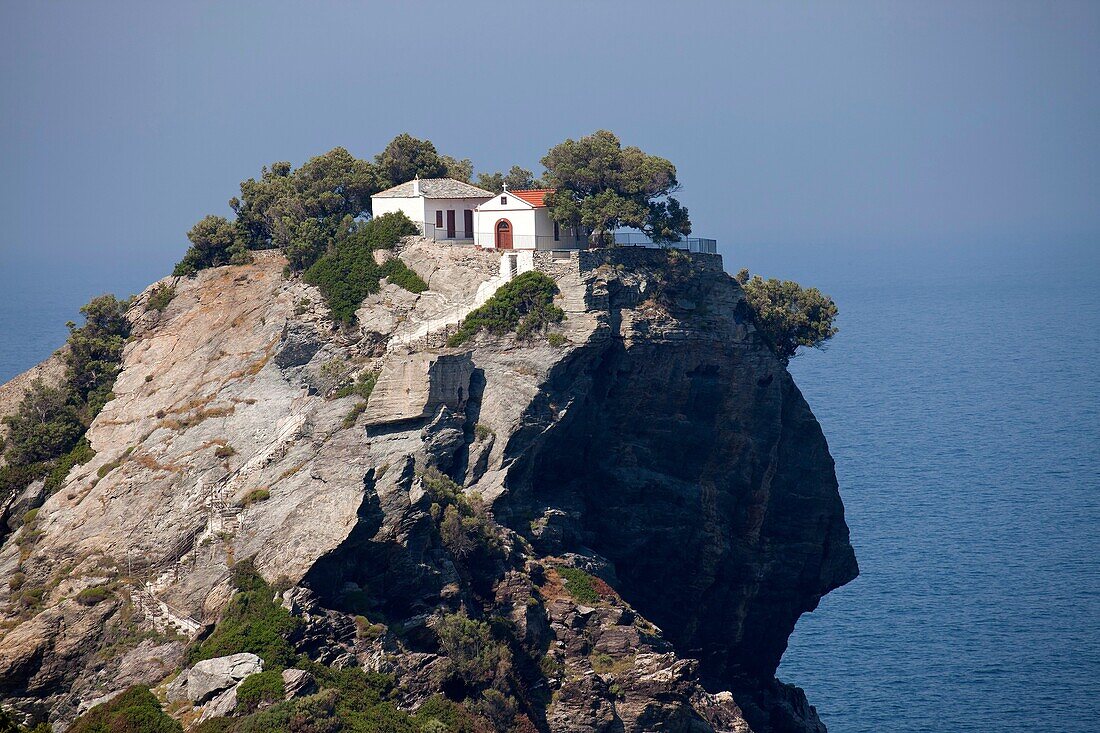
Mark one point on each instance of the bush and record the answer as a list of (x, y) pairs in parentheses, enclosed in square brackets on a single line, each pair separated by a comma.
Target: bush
[(92, 596), (524, 305), (160, 298), (789, 315), (398, 273), (263, 687), (556, 339), (224, 451), (580, 584), (472, 653), (348, 273), (252, 622), (353, 415), (255, 496), (134, 711), (363, 386), (215, 241)]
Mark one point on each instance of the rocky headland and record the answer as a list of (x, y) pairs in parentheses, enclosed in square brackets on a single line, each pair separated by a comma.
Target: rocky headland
[(635, 511)]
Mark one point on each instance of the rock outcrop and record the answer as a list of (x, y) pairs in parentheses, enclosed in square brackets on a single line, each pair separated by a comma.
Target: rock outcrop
[(658, 446)]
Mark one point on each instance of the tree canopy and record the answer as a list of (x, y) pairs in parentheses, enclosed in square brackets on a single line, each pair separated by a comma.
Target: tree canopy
[(788, 314), (516, 178), (603, 186)]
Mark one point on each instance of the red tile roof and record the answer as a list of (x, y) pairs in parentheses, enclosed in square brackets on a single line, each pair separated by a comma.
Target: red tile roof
[(534, 196)]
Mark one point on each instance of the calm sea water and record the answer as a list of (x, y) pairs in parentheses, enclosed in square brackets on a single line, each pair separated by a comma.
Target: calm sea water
[(962, 405), (963, 411)]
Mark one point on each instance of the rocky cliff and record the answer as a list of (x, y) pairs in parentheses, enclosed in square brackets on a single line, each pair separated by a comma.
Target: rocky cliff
[(642, 505)]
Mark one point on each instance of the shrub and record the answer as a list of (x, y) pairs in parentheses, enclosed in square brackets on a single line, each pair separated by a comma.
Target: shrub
[(524, 305), (348, 273), (134, 711), (215, 241), (256, 689), (483, 432), (789, 315), (363, 386), (252, 622), (398, 273), (555, 339), (255, 496), (15, 582), (579, 584), (92, 596), (224, 451), (81, 453), (159, 299), (472, 653), (353, 415)]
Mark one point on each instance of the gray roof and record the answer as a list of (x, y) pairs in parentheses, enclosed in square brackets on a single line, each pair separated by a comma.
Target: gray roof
[(436, 188)]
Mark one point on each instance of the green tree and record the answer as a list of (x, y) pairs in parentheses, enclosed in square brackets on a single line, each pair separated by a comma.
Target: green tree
[(215, 241), (406, 157), (604, 186), (460, 170), (45, 426), (517, 179), (788, 314), (95, 351)]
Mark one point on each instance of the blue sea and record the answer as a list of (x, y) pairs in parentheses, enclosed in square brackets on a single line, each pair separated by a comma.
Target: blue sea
[(961, 401)]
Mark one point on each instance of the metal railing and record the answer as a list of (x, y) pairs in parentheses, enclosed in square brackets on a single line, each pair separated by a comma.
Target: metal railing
[(565, 240), (691, 244)]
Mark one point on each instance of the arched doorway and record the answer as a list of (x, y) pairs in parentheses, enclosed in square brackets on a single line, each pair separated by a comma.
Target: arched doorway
[(504, 234)]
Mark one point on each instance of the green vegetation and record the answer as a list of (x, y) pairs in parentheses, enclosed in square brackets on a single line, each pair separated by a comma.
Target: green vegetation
[(401, 275), (464, 525), (306, 211), (215, 241), (264, 687), (252, 622), (347, 272), (134, 711), (580, 584), (517, 179), (363, 386), (473, 654), (557, 340), (47, 428), (439, 715), (254, 497), (483, 432), (524, 305), (160, 298), (604, 186), (789, 315), (92, 596), (225, 451), (353, 415), (350, 701)]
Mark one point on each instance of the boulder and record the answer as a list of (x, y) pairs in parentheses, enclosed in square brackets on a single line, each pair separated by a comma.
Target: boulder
[(211, 676), (298, 683), (221, 706)]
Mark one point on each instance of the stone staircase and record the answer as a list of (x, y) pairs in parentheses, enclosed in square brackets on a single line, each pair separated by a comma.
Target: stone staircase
[(433, 333)]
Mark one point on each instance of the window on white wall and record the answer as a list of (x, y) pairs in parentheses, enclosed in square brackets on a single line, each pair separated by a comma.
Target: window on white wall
[(503, 200), (439, 218)]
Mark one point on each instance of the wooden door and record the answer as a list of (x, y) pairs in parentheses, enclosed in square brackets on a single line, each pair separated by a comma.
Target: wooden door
[(468, 224), (504, 234), (450, 223)]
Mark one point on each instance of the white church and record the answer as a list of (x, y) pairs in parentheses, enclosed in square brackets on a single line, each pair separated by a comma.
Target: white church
[(449, 210)]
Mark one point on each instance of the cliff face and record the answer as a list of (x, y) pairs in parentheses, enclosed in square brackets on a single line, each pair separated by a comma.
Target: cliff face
[(661, 448)]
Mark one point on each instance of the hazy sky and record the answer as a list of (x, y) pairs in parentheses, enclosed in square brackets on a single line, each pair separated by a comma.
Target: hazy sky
[(845, 130)]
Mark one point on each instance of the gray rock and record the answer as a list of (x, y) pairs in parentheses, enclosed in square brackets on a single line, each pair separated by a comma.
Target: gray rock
[(298, 682), (211, 676), (299, 344), (221, 706)]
